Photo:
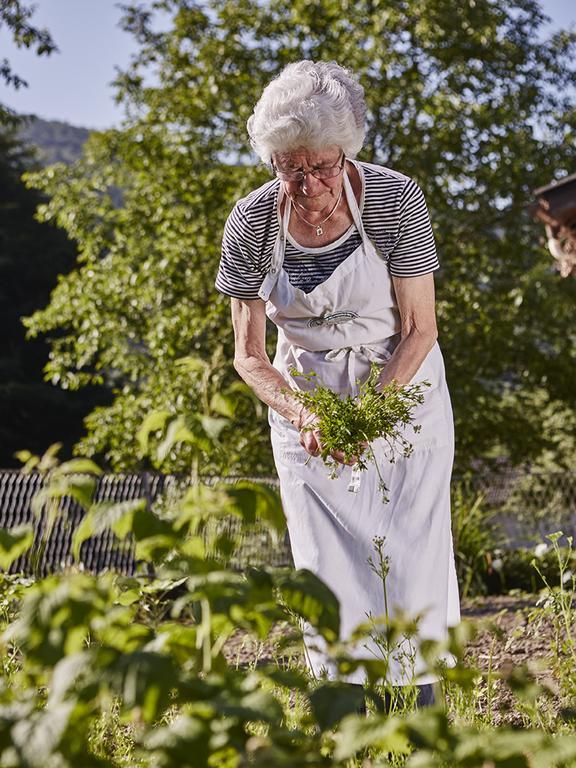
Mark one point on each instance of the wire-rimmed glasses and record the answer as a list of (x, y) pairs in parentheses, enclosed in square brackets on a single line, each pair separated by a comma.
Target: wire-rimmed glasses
[(324, 172)]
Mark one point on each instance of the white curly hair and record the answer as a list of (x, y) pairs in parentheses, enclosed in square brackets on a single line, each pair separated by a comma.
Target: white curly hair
[(311, 104)]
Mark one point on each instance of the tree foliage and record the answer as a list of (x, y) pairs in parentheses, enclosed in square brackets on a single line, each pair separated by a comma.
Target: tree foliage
[(16, 16), (31, 256), (467, 99)]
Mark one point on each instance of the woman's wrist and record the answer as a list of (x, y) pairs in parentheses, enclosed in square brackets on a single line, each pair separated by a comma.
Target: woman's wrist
[(296, 420), (381, 385), (303, 418)]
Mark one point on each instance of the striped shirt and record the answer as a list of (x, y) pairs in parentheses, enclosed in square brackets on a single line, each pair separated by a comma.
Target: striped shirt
[(394, 215)]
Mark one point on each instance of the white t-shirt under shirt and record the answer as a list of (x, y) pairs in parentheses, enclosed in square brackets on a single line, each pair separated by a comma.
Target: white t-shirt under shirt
[(394, 214)]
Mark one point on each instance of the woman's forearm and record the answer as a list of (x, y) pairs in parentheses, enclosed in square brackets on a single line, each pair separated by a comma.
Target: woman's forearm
[(273, 389), (253, 365), (270, 387), (407, 357)]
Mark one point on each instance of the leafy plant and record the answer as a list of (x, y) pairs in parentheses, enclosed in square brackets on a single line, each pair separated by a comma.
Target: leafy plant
[(475, 537), (501, 570), (136, 664), (558, 604)]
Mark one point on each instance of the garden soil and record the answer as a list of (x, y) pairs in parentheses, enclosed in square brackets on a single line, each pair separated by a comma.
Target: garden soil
[(511, 632)]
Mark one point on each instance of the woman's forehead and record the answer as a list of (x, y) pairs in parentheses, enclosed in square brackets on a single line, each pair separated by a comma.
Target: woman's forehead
[(310, 156)]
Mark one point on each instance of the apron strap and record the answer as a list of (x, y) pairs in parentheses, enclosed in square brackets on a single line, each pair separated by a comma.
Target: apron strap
[(354, 210), (351, 198), (277, 260), (278, 251)]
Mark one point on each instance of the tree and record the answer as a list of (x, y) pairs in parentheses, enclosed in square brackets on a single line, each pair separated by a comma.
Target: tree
[(465, 98), (31, 255), (16, 16)]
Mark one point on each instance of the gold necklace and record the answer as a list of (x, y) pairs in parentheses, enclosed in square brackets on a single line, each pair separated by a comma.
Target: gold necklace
[(319, 230)]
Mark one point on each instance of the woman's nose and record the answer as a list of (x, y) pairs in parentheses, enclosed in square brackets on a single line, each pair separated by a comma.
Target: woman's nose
[(310, 184)]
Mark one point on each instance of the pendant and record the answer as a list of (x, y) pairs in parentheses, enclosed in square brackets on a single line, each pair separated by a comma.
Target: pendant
[(319, 230)]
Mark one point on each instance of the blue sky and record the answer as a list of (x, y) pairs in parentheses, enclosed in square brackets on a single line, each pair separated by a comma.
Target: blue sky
[(74, 85)]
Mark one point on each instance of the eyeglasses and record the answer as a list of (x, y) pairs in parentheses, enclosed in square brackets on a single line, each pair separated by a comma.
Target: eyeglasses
[(326, 172)]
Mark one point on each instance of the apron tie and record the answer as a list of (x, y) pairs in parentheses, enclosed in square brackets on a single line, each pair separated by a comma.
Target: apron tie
[(373, 354)]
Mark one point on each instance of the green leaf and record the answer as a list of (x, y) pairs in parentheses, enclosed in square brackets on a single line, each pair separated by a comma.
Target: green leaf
[(153, 422), (213, 426), (223, 404), (79, 466), (13, 543), (306, 595), (378, 732), (333, 701), (144, 524), (184, 736), (144, 680), (66, 672), (129, 597), (192, 364), (81, 489), (104, 515), (49, 460), (253, 706), (155, 548), (255, 501), (181, 431), (39, 737), (29, 460)]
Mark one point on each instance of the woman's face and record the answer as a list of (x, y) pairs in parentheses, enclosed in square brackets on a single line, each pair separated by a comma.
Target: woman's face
[(311, 193)]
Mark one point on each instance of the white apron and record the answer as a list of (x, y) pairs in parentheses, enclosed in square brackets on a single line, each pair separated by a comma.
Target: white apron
[(336, 330)]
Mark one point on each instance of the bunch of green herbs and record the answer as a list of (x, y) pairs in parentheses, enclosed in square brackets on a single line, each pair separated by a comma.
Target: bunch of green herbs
[(351, 424)]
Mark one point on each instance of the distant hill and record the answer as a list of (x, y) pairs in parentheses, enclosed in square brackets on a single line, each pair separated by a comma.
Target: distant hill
[(56, 141)]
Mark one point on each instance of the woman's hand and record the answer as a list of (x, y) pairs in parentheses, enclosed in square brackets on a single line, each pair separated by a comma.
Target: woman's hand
[(311, 439)]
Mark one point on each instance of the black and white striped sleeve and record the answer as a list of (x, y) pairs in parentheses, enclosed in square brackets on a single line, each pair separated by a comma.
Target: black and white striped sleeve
[(414, 252), (240, 273)]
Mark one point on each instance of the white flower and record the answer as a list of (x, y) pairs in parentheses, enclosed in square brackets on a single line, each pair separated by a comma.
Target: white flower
[(540, 549), (497, 564), (567, 576)]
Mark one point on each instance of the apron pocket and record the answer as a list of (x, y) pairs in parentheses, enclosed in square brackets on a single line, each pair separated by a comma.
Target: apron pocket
[(431, 369), (285, 442), (435, 419)]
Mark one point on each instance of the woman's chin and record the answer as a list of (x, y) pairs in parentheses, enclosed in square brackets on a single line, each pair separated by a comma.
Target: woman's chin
[(314, 203)]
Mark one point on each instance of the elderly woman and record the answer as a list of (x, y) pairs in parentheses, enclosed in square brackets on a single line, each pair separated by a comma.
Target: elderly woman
[(339, 255)]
